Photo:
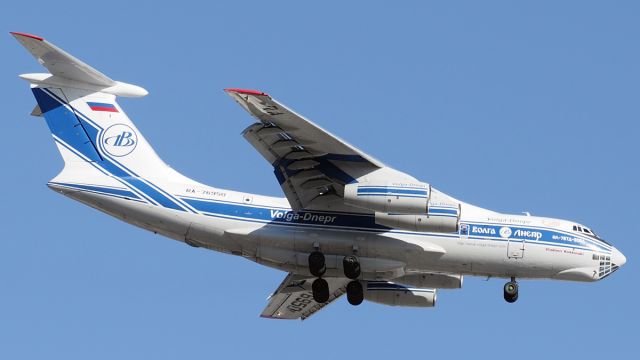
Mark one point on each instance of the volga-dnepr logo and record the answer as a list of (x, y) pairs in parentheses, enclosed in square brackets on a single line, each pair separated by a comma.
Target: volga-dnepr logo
[(505, 232), (119, 140)]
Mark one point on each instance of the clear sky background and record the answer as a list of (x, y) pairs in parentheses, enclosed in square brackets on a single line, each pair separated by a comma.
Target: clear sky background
[(514, 107)]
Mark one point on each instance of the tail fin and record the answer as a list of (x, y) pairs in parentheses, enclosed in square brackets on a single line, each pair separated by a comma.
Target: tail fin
[(79, 105), (98, 142)]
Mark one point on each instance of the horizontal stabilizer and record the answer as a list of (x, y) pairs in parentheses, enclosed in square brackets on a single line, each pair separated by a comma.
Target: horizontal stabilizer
[(67, 71), (59, 62)]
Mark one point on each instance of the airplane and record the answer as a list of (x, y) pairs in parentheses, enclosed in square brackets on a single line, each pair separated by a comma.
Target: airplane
[(348, 224)]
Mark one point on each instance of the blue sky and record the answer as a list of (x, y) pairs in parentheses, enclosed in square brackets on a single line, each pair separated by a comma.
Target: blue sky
[(514, 107)]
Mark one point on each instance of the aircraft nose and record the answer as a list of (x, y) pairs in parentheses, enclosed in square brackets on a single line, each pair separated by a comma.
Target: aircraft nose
[(617, 258)]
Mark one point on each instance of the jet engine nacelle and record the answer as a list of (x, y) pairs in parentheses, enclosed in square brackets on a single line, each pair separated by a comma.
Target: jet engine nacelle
[(436, 281), (387, 293), (438, 219), (389, 197)]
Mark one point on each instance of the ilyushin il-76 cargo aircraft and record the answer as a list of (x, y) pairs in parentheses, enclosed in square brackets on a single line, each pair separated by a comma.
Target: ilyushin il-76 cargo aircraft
[(348, 223)]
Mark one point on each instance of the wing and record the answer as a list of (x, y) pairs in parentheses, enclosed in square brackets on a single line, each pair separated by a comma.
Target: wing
[(293, 298), (311, 164)]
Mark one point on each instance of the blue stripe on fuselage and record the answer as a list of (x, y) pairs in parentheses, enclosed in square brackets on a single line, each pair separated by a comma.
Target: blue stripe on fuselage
[(283, 216), (530, 235)]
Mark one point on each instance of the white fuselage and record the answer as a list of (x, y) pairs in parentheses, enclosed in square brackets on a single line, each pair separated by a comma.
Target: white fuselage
[(265, 230)]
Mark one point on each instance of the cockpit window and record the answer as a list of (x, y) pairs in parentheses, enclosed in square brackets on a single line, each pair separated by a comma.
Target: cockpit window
[(587, 231)]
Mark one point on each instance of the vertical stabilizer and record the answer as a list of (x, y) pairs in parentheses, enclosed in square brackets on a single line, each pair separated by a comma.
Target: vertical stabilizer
[(100, 146)]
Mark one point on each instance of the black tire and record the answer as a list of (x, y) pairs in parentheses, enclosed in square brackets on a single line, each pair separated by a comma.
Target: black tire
[(511, 288), (510, 292), (320, 289), (355, 293), (511, 299), (317, 266), (351, 267)]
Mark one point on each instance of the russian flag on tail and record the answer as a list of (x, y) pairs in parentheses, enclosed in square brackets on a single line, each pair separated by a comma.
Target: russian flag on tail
[(96, 106)]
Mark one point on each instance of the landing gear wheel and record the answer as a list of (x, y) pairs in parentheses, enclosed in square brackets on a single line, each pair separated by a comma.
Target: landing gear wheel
[(351, 267), (320, 289), (317, 267), (355, 293), (511, 291)]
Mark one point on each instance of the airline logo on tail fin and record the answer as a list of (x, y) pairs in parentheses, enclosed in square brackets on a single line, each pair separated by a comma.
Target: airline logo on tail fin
[(119, 140), (96, 106)]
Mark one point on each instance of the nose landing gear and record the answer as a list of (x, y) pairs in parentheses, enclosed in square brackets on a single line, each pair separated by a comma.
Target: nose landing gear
[(511, 291)]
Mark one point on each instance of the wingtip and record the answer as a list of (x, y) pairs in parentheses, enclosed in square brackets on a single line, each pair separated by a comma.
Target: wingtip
[(17, 33), (246, 91)]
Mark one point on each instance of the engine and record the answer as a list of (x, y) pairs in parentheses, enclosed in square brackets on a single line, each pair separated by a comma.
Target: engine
[(443, 219), (408, 206), (443, 215), (436, 281), (389, 197), (387, 293)]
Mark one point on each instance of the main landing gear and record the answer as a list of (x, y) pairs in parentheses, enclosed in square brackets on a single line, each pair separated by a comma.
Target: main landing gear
[(320, 287), (355, 292), (511, 291)]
